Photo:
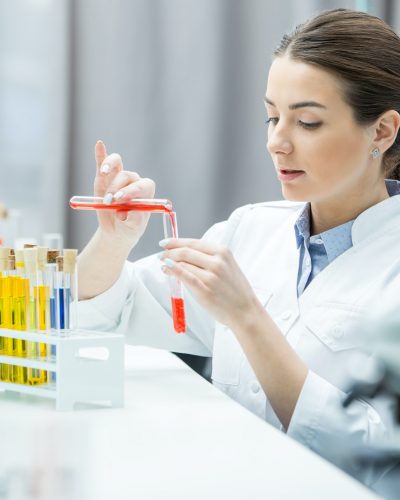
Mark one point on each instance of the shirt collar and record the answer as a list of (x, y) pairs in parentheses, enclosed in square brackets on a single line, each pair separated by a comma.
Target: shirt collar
[(351, 232), (393, 187), (335, 240), (302, 225)]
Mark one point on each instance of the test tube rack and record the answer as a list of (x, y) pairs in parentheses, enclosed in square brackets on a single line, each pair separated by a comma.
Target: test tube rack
[(89, 367)]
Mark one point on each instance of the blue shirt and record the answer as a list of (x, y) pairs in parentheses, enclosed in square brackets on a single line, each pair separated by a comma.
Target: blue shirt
[(319, 250)]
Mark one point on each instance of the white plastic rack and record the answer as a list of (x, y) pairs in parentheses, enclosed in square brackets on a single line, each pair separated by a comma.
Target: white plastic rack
[(89, 367)]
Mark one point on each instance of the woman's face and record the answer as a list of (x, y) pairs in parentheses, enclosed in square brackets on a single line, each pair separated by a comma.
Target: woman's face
[(319, 151)]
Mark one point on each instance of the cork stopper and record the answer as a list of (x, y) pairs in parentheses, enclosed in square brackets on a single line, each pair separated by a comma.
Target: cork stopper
[(11, 263), (60, 263), (30, 259), (4, 254), (42, 257), (52, 256), (70, 255)]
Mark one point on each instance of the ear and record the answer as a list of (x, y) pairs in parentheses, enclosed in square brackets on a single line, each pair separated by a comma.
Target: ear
[(386, 130)]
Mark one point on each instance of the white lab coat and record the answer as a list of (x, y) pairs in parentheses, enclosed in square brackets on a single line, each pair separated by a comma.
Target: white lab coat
[(320, 325)]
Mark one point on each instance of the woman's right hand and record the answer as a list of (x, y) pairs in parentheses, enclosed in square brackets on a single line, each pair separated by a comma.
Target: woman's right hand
[(118, 184)]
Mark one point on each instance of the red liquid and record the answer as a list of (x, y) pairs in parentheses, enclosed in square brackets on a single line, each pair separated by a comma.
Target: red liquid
[(178, 305), (122, 207), (178, 314)]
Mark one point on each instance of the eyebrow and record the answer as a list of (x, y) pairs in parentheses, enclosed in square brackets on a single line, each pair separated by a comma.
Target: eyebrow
[(303, 104)]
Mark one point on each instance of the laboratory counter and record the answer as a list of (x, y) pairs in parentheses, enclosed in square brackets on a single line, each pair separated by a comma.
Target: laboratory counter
[(177, 438)]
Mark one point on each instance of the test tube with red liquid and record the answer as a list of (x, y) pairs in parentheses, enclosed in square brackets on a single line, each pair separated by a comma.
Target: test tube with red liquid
[(177, 303), (163, 206)]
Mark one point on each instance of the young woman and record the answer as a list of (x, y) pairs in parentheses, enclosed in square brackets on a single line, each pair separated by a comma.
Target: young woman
[(275, 293)]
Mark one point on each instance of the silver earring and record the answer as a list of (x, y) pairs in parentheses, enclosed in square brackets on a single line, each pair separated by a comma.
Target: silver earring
[(375, 153)]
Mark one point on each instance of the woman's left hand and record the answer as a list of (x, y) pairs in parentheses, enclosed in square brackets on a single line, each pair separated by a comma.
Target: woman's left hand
[(213, 276)]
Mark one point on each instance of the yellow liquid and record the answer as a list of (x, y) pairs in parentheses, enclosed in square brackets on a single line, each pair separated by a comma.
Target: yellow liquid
[(6, 317), (42, 295), (15, 313), (5, 373), (1, 324), (21, 374)]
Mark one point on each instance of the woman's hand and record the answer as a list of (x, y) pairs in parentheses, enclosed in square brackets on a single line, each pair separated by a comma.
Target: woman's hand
[(214, 278), (115, 183)]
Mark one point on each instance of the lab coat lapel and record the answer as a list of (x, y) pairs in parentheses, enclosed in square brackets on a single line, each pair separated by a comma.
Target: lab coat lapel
[(275, 270)]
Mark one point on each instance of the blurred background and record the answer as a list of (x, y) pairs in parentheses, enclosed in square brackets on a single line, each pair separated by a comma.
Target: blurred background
[(175, 86)]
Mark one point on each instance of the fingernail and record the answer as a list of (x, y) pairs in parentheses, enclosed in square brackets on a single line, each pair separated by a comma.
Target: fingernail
[(107, 200), (164, 243), (118, 195), (105, 169), (169, 263), (160, 255)]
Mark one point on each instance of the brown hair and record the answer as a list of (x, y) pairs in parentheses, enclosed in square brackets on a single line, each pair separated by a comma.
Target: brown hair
[(364, 53)]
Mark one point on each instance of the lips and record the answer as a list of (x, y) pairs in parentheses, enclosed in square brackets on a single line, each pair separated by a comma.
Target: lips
[(285, 174), (289, 170)]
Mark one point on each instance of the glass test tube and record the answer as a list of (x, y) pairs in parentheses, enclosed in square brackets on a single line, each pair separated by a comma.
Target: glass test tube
[(67, 291), (43, 303), (31, 268), (71, 288), (22, 307), (14, 318), (60, 303), (136, 204), (51, 270), (5, 310), (177, 301), (43, 295)]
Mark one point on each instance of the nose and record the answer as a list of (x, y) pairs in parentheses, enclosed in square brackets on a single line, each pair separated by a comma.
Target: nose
[(278, 141)]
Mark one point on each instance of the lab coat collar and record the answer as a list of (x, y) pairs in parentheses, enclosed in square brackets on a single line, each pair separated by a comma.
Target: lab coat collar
[(380, 218)]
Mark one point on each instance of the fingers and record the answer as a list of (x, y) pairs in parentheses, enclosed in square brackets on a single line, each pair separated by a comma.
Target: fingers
[(111, 164), (128, 185), (190, 256), (191, 276), (100, 153), (114, 183), (107, 167), (207, 247)]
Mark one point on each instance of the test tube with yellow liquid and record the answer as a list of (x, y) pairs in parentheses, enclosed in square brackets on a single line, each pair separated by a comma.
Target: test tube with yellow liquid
[(35, 376), (5, 312), (20, 306), (43, 303), (14, 315), (70, 288)]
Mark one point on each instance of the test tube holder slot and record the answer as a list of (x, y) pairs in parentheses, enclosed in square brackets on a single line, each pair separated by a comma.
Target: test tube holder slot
[(89, 367)]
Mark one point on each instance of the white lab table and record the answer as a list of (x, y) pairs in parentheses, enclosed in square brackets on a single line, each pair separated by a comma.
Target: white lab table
[(176, 438)]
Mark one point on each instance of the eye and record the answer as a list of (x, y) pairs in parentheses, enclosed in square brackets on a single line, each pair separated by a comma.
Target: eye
[(272, 119), (310, 125)]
